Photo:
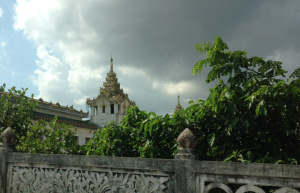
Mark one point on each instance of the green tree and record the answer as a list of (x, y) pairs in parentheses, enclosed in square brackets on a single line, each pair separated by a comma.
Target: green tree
[(16, 110), (140, 134), (51, 138), (252, 114)]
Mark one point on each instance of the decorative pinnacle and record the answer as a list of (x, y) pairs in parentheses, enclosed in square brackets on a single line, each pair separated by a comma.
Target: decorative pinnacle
[(187, 139), (187, 142), (178, 106), (8, 138), (111, 64)]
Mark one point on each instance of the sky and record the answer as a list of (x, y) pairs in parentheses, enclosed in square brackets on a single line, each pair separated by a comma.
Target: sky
[(61, 50)]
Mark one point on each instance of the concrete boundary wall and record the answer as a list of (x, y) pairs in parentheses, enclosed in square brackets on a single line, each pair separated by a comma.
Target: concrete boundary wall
[(21, 172)]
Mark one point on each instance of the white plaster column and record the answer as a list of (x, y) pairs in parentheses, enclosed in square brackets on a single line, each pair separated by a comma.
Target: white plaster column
[(92, 110)]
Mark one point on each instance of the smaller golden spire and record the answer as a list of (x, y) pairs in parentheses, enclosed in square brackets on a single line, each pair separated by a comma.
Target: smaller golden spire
[(178, 107), (111, 64)]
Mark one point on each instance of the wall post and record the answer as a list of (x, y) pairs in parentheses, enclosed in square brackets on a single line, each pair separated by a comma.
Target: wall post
[(2, 169), (8, 139), (184, 174)]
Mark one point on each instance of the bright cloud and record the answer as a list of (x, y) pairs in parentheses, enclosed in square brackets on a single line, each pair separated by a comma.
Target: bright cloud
[(131, 71), (66, 65), (3, 44), (172, 88), (71, 65), (3, 53), (15, 73), (127, 90), (1, 12), (80, 102), (49, 77), (289, 57)]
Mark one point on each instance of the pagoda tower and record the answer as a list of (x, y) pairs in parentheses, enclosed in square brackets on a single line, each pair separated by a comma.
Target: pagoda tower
[(178, 106), (111, 103)]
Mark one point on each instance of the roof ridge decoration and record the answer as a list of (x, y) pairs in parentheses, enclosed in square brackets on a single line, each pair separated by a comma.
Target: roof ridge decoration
[(58, 105), (41, 103)]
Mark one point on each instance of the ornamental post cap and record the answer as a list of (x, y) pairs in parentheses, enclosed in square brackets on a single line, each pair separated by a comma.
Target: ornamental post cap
[(8, 138), (187, 139)]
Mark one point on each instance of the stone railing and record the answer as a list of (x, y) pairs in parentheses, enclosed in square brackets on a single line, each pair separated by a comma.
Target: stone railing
[(70, 173)]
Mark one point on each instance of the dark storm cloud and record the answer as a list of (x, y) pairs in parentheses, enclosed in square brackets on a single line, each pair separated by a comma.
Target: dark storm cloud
[(159, 37), (156, 38)]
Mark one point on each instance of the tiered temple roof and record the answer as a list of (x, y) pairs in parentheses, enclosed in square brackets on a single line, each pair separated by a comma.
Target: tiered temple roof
[(111, 89)]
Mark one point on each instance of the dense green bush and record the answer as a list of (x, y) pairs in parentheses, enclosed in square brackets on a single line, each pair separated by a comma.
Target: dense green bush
[(51, 138), (140, 134)]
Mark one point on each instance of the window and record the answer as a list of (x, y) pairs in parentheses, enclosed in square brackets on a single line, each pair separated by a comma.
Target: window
[(112, 109), (95, 110), (103, 109)]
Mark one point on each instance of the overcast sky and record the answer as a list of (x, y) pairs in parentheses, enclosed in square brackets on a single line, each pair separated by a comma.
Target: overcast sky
[(60, 49)]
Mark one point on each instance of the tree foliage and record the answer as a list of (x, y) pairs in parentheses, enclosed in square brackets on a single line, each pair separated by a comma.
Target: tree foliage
[(140, 134), (16, 110), (34, 136), (251, 115), (51, 138)]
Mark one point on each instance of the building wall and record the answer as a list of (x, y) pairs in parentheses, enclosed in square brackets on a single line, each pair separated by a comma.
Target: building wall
[(83, 134), (103, 118)]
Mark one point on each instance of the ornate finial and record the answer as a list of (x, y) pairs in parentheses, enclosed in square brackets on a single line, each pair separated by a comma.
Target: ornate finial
[(187, 142), (178, 106), (111, 64), (8, 139), (187, 139)]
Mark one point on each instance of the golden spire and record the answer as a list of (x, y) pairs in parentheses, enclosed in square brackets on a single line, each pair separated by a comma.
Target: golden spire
[(178, 107), (111, 64)]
